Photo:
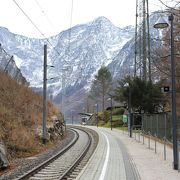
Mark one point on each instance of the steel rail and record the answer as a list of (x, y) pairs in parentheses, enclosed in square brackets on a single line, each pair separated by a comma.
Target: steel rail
[(76, 163), (50, 160)]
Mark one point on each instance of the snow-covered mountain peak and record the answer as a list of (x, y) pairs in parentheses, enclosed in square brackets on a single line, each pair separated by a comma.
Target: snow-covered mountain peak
[(102, 21), (83, 48)]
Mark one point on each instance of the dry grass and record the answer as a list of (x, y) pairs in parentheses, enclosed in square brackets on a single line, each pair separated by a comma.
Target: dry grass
[(20, 114)]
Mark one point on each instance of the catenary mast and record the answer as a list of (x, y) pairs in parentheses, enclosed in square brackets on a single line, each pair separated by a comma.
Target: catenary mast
[(142, 63)]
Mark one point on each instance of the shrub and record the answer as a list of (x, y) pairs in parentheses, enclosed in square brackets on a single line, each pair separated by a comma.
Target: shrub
[(118, 111)]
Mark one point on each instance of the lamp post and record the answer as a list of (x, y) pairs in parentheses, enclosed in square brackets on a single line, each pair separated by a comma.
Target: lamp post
[(72, 116), (161, 25), (84, 110), (130, 114), (110, 99), (96, 105), (127, 85)]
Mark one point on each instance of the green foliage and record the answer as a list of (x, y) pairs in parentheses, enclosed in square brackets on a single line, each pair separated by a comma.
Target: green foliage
[(103, 75), (102, 124), (101, 85), (117, 120), (116, 117), (102, 82), (143, 94), (105, 116), (118, 111)]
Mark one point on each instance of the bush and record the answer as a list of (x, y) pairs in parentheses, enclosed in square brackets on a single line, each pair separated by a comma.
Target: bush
[(118, 111), (104, 116)]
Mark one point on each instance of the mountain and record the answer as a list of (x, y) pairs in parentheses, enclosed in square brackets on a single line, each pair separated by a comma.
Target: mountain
[(27, 52), (76, 55), (89, 46), (123, 63), (8, 65)]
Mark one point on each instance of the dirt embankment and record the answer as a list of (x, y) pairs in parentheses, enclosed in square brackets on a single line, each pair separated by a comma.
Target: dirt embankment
[(20, 115)]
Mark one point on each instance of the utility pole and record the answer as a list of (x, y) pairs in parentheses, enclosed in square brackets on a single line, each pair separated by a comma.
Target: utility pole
[(148, 39), (135, 49), (72, 116), (111, 111), (130, 113), (62, 96), (142, 41), (96, 105), (44, 96)]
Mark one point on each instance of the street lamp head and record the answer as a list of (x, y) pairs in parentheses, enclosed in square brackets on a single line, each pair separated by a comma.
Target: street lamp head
[(126, 84), (161, 23)]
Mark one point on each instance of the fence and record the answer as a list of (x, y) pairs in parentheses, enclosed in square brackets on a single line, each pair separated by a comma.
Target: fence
[(159, 125), (8, 65)]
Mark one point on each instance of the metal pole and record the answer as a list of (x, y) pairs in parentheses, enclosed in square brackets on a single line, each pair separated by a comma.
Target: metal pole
[(144, 42), (5, 69), (44, 96), (97, 114), (175, 147), (148, 39), (157, 128), (155, 148), (149, 142), (139, 135), (151, 130), (165, 124), (165, 136), (135, 52), (111, 112), (130, 117), (72, 117), (164, 148)]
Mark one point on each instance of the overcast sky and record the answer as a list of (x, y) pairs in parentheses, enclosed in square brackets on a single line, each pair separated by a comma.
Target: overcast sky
[(53, 16)]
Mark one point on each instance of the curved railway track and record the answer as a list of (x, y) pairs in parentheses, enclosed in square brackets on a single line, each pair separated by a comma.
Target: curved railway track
[(67, 163)]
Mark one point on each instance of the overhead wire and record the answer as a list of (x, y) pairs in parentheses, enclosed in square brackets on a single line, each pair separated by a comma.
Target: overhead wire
[(168, 6), (45, 14), (71, 14), (70, 24), (32, 22), (70, 30), (69, 39), (29, 18)]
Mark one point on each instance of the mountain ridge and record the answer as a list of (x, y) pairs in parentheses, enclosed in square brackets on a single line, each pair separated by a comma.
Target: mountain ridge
[(75, 53)]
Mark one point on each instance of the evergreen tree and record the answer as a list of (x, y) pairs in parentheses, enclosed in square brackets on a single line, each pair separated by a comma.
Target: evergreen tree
[(101, 85), (144, 95)]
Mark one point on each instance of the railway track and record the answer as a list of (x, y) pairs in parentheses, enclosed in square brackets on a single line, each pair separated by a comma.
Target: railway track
[(69, 162)]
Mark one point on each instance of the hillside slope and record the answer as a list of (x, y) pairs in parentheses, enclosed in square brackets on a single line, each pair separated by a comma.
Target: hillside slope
[(20, 116)]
